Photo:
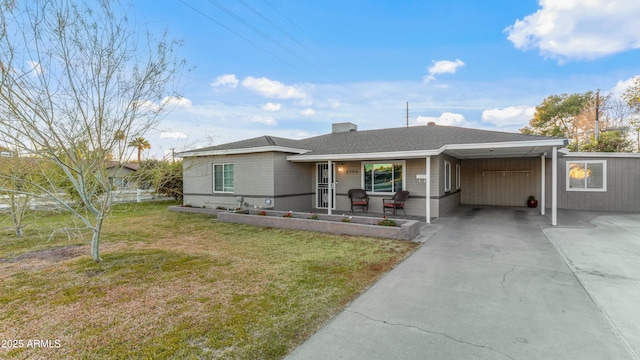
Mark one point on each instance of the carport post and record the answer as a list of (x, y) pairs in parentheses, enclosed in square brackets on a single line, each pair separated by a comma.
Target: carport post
[(554, 187), (543, 176), (428, 189), (330, 190)]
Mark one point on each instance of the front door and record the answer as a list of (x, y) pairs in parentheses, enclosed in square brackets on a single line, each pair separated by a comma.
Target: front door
[(323, 188)]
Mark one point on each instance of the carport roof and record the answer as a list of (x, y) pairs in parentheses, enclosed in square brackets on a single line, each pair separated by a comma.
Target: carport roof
[(405, 142)]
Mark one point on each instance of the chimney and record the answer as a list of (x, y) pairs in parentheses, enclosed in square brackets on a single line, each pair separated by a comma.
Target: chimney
[(343, 127), (431, 123)]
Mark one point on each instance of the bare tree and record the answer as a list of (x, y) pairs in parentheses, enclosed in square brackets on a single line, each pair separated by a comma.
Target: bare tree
[(632, 97), (76, 79)]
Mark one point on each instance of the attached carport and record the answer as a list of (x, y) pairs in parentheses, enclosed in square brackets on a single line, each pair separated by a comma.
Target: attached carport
[(506, 173)]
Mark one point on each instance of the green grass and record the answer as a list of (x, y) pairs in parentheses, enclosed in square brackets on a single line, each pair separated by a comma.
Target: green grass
[(180, 286)]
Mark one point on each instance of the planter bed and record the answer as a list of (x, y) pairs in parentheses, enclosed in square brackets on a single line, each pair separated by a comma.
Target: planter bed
[(356, 225)]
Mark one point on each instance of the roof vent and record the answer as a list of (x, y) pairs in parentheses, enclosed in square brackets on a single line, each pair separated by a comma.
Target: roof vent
[(431, 123), (343, 127)]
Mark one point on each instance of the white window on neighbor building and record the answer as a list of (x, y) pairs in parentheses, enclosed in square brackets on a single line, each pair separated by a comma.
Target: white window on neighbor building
[(457, 176), (589, 175), (383, 177), (223, 178), (447, 176)]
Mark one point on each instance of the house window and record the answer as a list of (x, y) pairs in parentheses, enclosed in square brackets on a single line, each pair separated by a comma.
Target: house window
[(223, 177), (383, 177), (447, 176), (457, 176), (587, 175)]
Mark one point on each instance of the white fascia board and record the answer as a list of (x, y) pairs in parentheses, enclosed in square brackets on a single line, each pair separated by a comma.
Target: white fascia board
[(510, 144), (601, 155), (260, 149), (364, 156)]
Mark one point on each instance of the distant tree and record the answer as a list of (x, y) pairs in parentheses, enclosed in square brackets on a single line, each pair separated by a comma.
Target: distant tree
[(141, 144), (573, 116), (120, 137), (147, 172), (556, 115), (72, 74), (168, 179), (20, 178), (609, 141), (632, 97)]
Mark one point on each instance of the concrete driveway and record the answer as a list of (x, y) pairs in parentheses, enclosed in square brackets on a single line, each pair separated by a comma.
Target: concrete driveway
[(487, 284), (605, 257)]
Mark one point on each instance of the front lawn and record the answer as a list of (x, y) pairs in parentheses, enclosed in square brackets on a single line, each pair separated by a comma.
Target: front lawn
[(178, 286)]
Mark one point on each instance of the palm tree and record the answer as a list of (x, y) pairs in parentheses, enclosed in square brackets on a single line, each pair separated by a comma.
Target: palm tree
[(140, 143), (119, 136)]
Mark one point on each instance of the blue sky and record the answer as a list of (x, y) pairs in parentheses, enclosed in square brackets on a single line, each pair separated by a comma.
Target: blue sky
[(291, 68)]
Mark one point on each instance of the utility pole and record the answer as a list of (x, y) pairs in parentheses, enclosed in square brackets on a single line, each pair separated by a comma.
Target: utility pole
[(407, 114), (597, 132)]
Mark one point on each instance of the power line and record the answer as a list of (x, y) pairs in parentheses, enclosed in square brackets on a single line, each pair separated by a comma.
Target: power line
[(234, 32), (286, 33), (268, 37)]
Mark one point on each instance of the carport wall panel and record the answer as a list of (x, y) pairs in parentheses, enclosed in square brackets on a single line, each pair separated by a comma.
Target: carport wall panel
[(501, 182)]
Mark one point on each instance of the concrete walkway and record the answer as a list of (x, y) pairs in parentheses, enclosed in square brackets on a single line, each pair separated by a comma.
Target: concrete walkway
[(487, 285)]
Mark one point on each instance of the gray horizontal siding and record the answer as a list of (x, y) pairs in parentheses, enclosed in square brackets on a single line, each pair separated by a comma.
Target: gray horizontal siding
[(623, 187)]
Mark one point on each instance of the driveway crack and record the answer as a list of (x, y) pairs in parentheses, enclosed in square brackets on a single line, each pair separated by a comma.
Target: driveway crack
[(433, 333), (504, 277)]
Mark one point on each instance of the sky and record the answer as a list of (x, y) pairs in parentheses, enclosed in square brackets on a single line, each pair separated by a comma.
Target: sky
[(292, 68)]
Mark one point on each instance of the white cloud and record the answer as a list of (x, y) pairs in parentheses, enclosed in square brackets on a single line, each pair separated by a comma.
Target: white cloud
[(272, 89), (512, 115), (179, 102), (443, 67), (578, 29), (308, 112), (172, 135), (447, 118), (268, 120), (226, 80), (35, 67), (334, 103), (272, 106), (623, 85)]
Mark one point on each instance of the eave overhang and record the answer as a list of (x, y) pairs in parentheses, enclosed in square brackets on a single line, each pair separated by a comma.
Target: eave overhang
[(532, 148), (261, 149)]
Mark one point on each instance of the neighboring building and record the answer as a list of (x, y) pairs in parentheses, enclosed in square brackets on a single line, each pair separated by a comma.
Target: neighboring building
[(121, 176)]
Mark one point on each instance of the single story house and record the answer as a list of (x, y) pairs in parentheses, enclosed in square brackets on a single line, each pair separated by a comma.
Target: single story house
[(121, 176), (441, 166)]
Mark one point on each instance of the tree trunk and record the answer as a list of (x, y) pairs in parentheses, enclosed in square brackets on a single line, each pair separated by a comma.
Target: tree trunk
[(16, 215), (95, 240)]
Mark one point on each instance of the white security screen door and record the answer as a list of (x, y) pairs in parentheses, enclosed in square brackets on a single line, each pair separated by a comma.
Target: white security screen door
[(323, 190)]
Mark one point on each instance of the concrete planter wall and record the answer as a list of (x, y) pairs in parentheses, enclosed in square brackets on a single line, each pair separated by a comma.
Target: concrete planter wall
[(359, 225)]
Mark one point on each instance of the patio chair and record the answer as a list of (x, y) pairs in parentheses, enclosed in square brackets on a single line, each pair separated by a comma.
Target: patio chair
[(395, 203), (360, 198)]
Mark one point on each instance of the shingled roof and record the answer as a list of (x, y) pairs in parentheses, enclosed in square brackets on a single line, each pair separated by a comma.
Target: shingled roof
[(431, 137), (416, 138)]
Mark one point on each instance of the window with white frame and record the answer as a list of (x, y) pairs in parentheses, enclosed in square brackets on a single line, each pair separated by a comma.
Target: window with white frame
[(447, 176), (587, 175), (457, 176), (383, 177), (222, 177)]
